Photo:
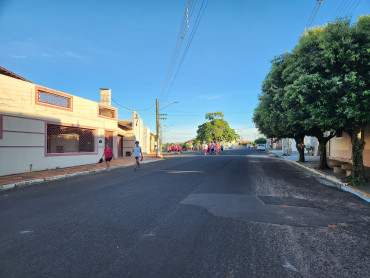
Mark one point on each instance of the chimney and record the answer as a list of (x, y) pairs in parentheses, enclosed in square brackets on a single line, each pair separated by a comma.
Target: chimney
[(105, 97)]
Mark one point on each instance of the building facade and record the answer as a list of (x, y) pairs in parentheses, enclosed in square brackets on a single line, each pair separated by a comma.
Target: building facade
[(340, 147), (42, 128)]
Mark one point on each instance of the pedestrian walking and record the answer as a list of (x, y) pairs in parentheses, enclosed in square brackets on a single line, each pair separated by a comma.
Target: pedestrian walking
[(208, 148), (108, 155), (222, 148), (138, 153), (217, 148), (172, 148), (205, 148), (179, 149), (212, 148)]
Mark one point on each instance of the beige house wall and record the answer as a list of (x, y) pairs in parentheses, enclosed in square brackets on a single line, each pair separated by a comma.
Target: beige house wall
[(152, 143), (23, 126), (341, 149)]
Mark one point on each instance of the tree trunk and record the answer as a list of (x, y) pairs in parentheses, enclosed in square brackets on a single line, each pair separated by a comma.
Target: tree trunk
[(323, 140), (299, 142), (323, 163), (358, 145)]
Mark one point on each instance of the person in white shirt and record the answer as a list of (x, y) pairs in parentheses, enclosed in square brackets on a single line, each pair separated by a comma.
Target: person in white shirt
[(137, 151), (205, 148)]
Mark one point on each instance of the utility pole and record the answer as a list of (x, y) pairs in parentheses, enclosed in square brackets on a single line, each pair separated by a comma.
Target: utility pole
[(157, 123), (160, 138)]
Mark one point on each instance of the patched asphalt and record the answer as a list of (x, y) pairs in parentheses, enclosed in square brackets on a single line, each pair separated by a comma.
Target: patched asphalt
[(240, 214)]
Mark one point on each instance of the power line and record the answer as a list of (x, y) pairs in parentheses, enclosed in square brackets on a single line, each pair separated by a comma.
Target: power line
[(175, 66), (179, 42), (314, 12), (353, 7), (194, 30), (132, 108), (346, 7), (339, 8)]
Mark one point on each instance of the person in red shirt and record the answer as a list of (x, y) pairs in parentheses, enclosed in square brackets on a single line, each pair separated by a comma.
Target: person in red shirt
[(172, 148), (179, 149), (108, 154), (217, 147)]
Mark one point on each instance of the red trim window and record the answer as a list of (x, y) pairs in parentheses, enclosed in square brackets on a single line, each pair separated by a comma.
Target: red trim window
[(1, 127), (51, 98), (107, 112), (69, 139)]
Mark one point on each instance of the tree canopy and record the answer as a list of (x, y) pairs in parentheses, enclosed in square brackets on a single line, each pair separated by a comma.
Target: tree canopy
[(216, 130), (320, 87)]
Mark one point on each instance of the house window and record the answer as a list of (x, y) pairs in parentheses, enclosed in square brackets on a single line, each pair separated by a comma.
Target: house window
[(107, 112), (67, 139), (339, 134), (53, 99)]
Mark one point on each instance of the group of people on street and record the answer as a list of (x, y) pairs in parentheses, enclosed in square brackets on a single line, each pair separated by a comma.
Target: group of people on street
[(209, 148), (108, 155), (174, 149), (212, 148)]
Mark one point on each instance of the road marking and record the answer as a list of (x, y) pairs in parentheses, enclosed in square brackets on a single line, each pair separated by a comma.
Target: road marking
[(150, 234), (25, 232), (180, 172), (289, 266)]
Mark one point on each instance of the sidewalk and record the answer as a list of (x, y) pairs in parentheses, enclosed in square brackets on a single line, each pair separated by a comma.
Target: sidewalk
[(17, 180), (311, 165)]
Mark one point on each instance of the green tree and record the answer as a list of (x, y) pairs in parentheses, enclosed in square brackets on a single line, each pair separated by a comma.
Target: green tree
[(278, 114), (321, 87), (216, 130), (260, 140), (329, 74)]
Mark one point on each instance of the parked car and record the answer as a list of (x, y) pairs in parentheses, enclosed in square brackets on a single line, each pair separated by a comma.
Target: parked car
[(261, 147)]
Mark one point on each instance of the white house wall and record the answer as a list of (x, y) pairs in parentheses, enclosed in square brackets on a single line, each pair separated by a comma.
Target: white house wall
[(23, 125), (141, 132)]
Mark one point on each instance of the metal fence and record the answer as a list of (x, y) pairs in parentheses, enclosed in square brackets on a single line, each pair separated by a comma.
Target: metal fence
[(66, 139), (54, 99)]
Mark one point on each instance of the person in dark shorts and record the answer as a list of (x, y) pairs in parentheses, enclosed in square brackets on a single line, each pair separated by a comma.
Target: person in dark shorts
[(108, 154), (137, 152)]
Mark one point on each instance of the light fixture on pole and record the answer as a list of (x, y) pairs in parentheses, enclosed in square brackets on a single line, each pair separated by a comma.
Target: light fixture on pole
[(157, 121)]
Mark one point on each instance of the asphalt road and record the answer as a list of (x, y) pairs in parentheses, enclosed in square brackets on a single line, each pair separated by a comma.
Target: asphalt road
[(240, 214)]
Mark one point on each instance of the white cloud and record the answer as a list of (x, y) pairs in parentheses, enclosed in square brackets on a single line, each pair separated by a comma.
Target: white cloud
[(19, 56), (71, 54), (209, 97)]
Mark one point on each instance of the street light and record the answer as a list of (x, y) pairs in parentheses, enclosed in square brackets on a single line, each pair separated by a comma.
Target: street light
[(170, 104), (157, 121)]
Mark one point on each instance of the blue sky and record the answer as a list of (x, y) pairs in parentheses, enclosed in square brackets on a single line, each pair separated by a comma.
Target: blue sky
[(80, 46)]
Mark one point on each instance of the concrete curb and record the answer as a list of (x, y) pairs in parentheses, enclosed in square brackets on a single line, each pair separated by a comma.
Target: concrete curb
[(59, 177), (337, 182)]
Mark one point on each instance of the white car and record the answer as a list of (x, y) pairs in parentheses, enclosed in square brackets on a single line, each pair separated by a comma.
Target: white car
[(261, 147)]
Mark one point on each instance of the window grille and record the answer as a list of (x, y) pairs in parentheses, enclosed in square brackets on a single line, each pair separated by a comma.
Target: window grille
[(54, 99), (66, 139), (107, 112), (339, 134)]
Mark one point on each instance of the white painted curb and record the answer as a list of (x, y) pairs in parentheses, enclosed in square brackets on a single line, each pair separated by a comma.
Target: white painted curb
[(337, 182), (53, 178)]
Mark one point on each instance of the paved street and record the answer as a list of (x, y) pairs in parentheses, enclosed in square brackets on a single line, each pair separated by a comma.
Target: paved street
[(240, 214)]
